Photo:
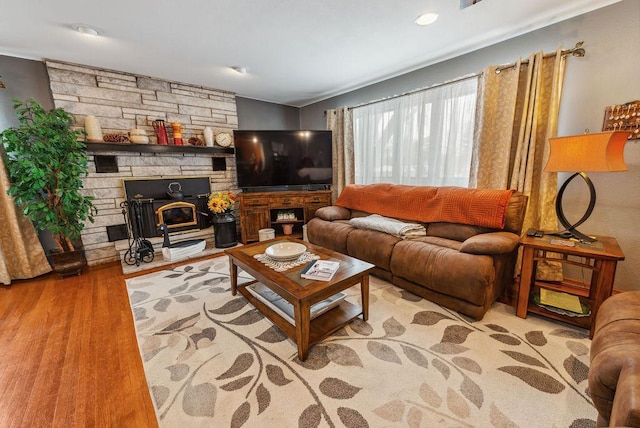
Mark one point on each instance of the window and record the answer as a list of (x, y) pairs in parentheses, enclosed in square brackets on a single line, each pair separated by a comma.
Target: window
[(423, 138)]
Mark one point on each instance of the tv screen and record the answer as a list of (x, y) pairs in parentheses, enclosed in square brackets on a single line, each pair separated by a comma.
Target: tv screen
[(283, 159)]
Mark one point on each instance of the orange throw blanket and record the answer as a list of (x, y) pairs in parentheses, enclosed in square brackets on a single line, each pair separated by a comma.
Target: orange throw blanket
[(478, 207)]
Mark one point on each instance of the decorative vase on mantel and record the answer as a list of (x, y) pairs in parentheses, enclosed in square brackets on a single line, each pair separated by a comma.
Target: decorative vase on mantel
[(224, 230)]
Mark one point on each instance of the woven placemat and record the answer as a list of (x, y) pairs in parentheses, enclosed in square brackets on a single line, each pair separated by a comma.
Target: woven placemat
[(280, 265)]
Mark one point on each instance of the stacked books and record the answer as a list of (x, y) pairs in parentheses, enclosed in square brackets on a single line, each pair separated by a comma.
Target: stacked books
[(285, 309), (322, 270)]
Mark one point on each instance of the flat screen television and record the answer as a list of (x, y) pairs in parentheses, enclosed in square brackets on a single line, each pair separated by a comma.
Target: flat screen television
[(283, 160)]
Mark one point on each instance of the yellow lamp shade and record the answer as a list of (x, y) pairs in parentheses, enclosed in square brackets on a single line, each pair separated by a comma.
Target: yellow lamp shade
[(602, 151)]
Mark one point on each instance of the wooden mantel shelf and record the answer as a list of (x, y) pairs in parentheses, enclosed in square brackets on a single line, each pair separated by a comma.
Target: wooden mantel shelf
[(155, 148)]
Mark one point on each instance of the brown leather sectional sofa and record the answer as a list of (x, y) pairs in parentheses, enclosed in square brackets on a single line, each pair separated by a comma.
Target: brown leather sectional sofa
[(463, 267)]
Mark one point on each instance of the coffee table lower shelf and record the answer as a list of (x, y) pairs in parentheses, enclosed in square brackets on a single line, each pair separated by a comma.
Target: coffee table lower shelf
[(319, 327)]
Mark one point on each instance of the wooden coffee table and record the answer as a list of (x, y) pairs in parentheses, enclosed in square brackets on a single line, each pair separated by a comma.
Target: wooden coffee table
[(303, 293)]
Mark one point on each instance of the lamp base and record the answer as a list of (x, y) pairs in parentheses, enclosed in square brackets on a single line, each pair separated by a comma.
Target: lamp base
[(570, 229)]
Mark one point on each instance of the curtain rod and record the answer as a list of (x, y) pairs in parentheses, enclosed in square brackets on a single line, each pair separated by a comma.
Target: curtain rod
[(577, 51), (437, 85)]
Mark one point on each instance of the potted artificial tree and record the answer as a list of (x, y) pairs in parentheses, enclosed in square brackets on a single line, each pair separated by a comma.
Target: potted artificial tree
[(45, 160)]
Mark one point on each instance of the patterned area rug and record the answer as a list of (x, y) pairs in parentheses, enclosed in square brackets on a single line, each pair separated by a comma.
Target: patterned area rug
[(211, 359)]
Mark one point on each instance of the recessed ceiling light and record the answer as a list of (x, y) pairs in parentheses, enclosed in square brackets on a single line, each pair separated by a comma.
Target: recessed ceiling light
[(240, 69), (86, 29), (426, 19)]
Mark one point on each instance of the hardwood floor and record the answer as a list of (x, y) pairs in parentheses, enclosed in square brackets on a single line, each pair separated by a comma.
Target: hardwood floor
[(68, 354)]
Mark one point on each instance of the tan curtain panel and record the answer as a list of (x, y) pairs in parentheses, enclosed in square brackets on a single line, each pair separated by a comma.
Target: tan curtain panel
[(340, 122), (21, 254), (518, 113)]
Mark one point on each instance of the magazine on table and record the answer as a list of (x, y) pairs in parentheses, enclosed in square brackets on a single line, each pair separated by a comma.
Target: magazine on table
[(322, 270), (285, 309)]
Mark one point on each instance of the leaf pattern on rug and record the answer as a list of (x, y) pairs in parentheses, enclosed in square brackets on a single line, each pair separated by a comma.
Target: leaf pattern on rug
[(179, 371), (179, 289), (343, 355), (230, 307), (383, 352), (456, 334), (523, 358), (338, 389), (199, 400), (237, 384), (576, 369), (442, 368), (506, 339), (393, 328), (181, 324), (250, 317), (241, 415), (272, 335), (352, 418), (415, 356), (207, 334), (310, 417), (212, 354), (499, 419), (535, 378), (472, 392), (429, 318), (392, 411), (457, 404), (448, 348), (264, 398), (467, 364), (361, 327), (276, 375), (240, 365), (536, 338), (430, 396), (577, 348), (497, 328), (160, 394)]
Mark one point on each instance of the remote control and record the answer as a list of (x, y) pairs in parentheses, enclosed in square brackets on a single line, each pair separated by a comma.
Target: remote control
[(535, 233)]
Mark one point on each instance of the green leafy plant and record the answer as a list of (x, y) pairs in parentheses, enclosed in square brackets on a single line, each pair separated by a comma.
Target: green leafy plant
[(45, 160)]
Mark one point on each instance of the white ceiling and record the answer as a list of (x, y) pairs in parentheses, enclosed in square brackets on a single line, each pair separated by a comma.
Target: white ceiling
[(297, 51)]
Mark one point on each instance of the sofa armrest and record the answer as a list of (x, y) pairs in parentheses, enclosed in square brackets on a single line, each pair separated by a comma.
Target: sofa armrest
[(626, 403), (491, 243), (333, 212)]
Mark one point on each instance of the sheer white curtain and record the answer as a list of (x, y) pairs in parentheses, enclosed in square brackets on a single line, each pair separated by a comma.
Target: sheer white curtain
[(423, 138)]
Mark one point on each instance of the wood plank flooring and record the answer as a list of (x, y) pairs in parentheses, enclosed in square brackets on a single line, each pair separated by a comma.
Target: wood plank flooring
[(68, 354)]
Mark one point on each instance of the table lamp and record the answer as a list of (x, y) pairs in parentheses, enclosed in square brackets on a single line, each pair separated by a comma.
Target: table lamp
[(602, 151)]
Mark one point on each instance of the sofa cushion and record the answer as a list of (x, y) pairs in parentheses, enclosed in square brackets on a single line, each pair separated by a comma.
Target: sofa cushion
[(459, 232), (333, 212), (491, 243), (371, 246), (468, 277), (329, 234)]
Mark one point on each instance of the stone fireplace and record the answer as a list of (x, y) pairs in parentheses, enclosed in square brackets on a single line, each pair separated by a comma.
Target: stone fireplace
[(123, 101)]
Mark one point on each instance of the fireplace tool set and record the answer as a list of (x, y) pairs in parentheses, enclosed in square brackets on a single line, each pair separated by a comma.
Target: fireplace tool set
[(140, 249)]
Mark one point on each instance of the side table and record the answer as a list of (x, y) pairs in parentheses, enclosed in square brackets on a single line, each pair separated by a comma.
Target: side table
[(600, 257)]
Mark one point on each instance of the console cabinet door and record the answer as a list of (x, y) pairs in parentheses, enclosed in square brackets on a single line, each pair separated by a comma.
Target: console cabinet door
[(255, 218), (313, 202)]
